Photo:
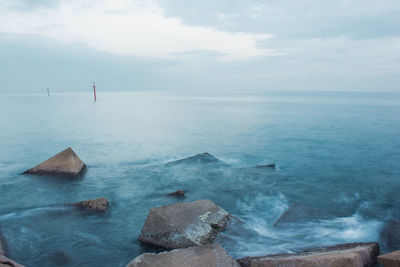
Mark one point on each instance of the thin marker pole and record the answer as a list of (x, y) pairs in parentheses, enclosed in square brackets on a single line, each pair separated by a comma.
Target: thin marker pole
[(94, 91), (48, 92)]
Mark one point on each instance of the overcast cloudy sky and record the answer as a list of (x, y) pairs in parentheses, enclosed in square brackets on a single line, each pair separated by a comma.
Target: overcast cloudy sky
[(233, 45)]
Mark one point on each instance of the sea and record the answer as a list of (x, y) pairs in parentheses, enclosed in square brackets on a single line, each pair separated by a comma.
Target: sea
[(336, 177)]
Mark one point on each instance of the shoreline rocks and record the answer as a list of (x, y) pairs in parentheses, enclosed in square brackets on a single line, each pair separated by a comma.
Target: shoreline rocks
[(391, 259), (94, 205), (184, 224), (211, 255), (66, 163), (343, 255)]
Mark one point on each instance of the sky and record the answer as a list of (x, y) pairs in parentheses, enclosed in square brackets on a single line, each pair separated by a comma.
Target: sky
[(194, 46)]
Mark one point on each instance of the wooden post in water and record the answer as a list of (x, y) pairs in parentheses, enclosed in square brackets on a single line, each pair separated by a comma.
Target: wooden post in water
[(94, 91), (48, 92)]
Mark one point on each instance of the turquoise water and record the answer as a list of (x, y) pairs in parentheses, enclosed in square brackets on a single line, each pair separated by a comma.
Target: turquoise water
[(335, 152)]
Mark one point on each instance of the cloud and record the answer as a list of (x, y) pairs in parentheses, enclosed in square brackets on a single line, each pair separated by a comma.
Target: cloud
[(127, 27)]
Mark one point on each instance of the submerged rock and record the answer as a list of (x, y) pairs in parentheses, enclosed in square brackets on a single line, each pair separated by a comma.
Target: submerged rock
[(64, 163), (6, 262), (343, 255), (59, 258), (179, 193), (2, 249), (184, 224), (272, 166), (298, 213), (211, 255), (393, 235), (204, 158), (391, 259), (96, 205)]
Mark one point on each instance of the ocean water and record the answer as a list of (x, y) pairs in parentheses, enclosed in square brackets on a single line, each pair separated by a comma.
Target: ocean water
[(337, 156)]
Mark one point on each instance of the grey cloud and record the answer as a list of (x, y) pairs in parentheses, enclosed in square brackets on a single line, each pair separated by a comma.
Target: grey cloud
[(294, 19)]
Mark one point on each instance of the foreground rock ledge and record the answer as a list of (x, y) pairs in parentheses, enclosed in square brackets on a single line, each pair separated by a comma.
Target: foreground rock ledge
[(211, 255), (64, 163), (6, 262), (184, 224), (391, 259), (344, 255), (96, 205)]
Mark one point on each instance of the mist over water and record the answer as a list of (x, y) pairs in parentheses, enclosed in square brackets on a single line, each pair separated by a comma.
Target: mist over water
[(336, 153)]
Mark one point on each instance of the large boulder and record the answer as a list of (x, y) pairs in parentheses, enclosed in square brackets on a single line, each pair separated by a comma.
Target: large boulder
[(210, 255), (204, 158), (391, 259), (184, 224), (64, 163), (344, 255), (94, 205), (6, 262)]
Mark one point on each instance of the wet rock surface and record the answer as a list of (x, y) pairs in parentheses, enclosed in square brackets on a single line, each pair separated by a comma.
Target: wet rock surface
[(211, 255), (94, 205), (64, 163), (391, 259), (184, 224), (343, 255)]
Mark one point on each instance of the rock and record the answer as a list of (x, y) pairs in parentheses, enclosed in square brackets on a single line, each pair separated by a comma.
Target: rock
[(5, 262), (298, 213), (343, 255), (59, 258), (97, 205), (393, 235), (179, 193), (184, 224), (64, 163), (391, 259), (204, 158), (2, 248), (211, 255), (273, 166)]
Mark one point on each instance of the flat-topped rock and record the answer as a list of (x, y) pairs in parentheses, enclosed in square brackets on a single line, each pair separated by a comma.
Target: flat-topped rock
[(184, 224), (204, 158), (64, 163), (391, 259), (6, 262), (210, 255), (343, 255), (96, 205)]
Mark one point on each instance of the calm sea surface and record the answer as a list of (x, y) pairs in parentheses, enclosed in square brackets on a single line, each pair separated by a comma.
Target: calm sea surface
[(337, 154)]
